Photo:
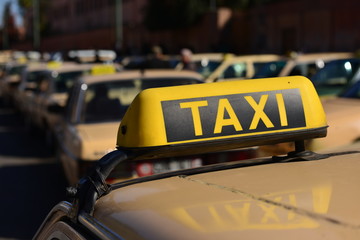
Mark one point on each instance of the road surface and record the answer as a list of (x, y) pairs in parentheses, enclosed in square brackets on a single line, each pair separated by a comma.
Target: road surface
[(31, 181)]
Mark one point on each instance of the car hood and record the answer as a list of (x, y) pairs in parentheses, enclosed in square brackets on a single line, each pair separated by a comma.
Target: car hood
[(343, 117), (97, 139), (294, 200), (59, 98), (339, 106)]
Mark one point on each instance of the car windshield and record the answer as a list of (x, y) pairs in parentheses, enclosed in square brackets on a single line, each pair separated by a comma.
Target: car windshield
[(64, 81), (108, 101), (33, 77), (16, 70), (270, 69), (306, 69), (235, 70), (335, 76), (205, 67)]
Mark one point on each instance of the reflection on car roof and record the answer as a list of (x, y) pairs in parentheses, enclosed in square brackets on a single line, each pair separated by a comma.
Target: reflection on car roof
[(131, 74)]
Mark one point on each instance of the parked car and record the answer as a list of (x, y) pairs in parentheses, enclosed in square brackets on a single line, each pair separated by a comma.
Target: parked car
[(343, 116), (28, 84), (336, 76), (95, 106), (302, 195), (53, 89), (10, 79)]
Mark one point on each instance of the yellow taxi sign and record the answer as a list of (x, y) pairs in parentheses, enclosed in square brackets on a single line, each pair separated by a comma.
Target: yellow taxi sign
[(54, 64), (224, 115), (103, 69)]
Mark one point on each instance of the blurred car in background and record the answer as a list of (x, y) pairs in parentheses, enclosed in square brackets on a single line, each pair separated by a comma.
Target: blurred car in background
[(142, 62), (204, 63), (336, 75), (53, 89), (30, 78), (343, 116), (95, 107), (10, 80), (13, 64), (306, 64), (241, 67)]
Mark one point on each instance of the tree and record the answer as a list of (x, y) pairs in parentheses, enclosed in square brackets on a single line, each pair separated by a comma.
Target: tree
[(9, 29), (27, 5)]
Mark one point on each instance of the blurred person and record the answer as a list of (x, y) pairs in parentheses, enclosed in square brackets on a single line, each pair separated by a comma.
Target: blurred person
[(157, 59), (186, 59)]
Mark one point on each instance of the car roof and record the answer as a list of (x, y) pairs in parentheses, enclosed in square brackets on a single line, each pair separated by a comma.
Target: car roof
[(322, 56), (58, 66), (69, 67), (36, 67), (277, 201), (258, 57), (132, 74), (210, 56)]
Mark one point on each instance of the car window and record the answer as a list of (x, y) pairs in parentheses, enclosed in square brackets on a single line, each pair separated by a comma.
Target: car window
[(33, 79), (16, 70), (64, 81), (336, 73), (108, 101), (304, 69), (236, 70), (205, 67), (270, 69)]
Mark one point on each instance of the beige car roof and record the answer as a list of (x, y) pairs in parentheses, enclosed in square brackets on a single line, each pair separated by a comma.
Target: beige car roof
[(132, 74), (294, 200), (69, 67), (258, 57), (325, 56), (62, 67), (209, 56)]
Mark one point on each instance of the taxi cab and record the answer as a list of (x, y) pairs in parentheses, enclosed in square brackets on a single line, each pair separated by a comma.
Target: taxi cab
[(29, 79), (299, 195), (52, 89), (12, 70), (336, 76), (95, 106), (10, 79), (343, 114)]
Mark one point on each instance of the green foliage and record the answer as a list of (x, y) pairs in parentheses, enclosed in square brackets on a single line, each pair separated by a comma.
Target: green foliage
[(25, 3)]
